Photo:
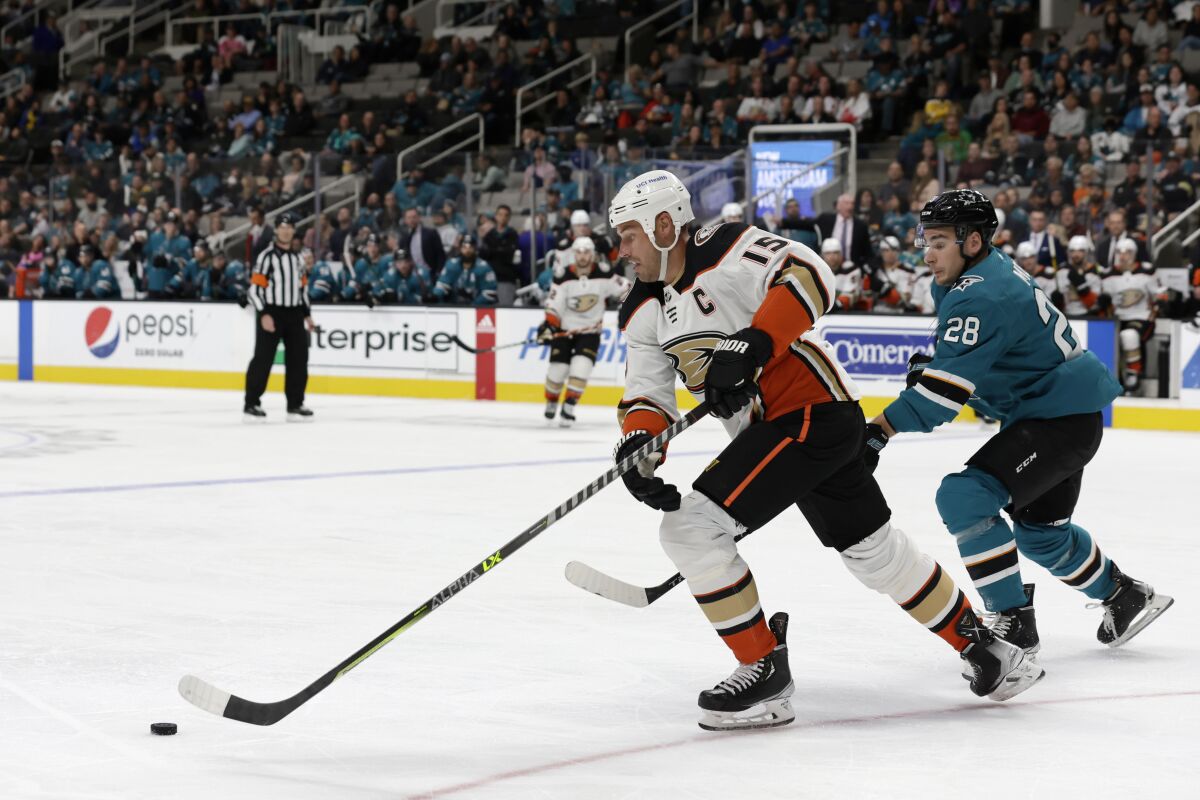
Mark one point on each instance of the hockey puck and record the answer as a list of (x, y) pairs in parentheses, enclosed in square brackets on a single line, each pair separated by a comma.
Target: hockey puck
[(163, 728)]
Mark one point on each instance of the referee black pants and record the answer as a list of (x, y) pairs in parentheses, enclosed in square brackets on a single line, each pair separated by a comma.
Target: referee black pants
[(289, 326)]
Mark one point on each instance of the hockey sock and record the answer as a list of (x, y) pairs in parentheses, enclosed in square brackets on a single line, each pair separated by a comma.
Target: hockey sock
[(735, 613), (889, 562), (1070, 554), (581, 370), (970, 502), (699, 539), (555, 375)]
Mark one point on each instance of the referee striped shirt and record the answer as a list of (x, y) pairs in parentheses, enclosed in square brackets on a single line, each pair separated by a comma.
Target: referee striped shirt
[(278, 279)]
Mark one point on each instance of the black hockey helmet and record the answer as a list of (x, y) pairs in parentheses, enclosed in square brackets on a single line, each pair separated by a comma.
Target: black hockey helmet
[(286, 218), (965, 210)]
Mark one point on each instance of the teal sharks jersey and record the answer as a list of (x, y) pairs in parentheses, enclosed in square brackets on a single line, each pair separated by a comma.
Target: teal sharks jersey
[(1003, 349)]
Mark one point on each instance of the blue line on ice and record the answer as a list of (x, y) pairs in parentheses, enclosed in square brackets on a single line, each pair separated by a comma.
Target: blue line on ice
[(364, 473)]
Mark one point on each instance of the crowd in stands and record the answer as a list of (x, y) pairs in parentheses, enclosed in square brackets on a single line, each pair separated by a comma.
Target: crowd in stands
[(1055, 127)]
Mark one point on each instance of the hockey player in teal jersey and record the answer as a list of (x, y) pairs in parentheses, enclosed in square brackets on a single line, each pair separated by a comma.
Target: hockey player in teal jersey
[(466, 279), (367, 271), (224, 280), (1006, 351), (58, 278), (405, 282), (324, 282), (95, 278), (185, 283)]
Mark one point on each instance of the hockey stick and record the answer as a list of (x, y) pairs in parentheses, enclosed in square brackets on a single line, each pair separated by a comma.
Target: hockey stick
[(559, 335), (205, 696), (593, 580)]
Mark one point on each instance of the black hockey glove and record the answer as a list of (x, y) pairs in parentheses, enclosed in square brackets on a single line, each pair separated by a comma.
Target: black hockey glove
[(546, 332), (875, 441), (1078, 280), (640, 480), (916, 367), (729, 385)]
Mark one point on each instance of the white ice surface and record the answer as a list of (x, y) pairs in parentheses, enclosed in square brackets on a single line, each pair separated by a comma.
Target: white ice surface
[(146, 534)]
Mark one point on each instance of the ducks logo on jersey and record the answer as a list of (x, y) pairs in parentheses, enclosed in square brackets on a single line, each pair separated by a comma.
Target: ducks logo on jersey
[(691, 355), (583, 303), (1129, 298)]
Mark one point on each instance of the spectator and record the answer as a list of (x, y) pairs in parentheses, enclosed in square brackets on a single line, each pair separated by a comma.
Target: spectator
[(499, 248), (1171, 94), (897, 185), (855, 108), (539, 174), (1154, 135), (1030, 122), (1068, 120), (1186, 116), (1106, 248), (334, 104), (983, 104), (849, 232), (953, 141), (1125, 193), (925, 186), (1050, 251), (1174, 185), (333, 69), (975, 168), (423, 244), (1150, 32), (1139, 115)]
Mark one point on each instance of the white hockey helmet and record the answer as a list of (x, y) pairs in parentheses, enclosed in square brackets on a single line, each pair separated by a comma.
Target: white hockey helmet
[(1127, 246), (1001, 218), (583, 244), (886, 243), (642, 199), (831, 246), (1026, 250), (581, 217), (731, 212), (1082, 243)]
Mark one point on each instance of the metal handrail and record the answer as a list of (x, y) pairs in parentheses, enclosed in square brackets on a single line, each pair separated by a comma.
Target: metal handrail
[(490, 7), (235, 235), (476, 137), (12, 81), (591, 76), (1167, 233), (151, 14), (675, 6), (37, 8), (267, 17), (107, 17)]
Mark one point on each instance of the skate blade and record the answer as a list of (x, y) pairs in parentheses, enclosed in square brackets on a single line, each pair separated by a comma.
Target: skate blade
[(299, 419), (250, 420), (1153, 610), (770, 714), (1022, 677), (565, 423)]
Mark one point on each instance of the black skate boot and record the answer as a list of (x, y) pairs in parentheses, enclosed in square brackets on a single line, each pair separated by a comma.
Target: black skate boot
[(1132, 607), (756, 695), (551, 409), (566, 415), (1017, 625), (300, 413), (995, 668), (254, 413)]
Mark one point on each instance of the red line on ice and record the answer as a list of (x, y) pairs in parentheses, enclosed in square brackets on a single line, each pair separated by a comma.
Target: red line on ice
[(710, 738)]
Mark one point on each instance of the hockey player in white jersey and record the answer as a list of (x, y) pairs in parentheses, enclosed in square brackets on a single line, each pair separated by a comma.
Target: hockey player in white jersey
[(1043, 276), (730, 312), (847, 278), (1130, 292), (1077, 283), (893, 282), (575, 308)]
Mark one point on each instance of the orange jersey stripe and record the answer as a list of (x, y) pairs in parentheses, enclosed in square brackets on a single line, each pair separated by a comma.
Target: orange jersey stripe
[(754, 472)]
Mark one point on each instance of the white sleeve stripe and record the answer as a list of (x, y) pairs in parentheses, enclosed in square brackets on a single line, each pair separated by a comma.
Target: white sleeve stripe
[(937, 398), (950, 377)]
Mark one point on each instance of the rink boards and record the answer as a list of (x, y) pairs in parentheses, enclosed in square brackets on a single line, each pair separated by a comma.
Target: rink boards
[(410, 352)]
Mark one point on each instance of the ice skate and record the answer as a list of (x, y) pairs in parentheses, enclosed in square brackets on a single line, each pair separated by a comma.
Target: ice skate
[(254, 413), (756, 695), (1132, 607), (566, 415), (551, 409), (996, 669), (1017, 625), (300, 413)]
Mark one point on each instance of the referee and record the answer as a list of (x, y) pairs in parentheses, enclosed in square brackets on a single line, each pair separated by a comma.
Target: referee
[(279, 292)]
